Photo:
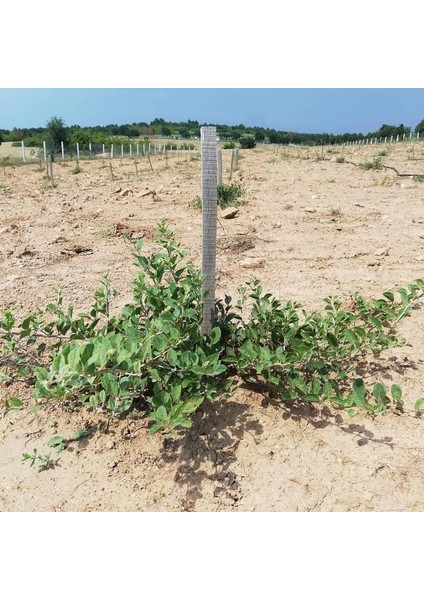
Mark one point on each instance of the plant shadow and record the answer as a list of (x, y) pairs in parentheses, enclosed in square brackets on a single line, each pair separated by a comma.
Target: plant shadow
[(208, 450)]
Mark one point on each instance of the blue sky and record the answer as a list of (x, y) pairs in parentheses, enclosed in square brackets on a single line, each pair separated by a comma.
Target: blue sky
[(308, 110)]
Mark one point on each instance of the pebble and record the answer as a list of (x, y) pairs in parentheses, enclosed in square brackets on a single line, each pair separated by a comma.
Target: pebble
[(382, 252), (229, 213), (252, 263)]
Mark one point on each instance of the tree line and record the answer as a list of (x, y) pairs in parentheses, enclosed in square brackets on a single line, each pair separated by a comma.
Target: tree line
[(57, 131)]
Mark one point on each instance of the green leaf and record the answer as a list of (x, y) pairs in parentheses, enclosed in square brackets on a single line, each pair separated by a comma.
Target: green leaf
[(352, 412), (376, 322), (161, 413), (350, 336), (333, 340), (80, 434), (176, 392), (419, 403), (14, 402), (56, 440), (215, 335), (358, 388), (396, 393), (172, 357), (379, 391)]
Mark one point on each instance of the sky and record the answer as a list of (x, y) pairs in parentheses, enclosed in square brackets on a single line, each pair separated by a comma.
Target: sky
[(305, 110)]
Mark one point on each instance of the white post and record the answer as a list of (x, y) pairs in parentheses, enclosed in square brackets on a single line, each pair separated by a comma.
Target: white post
[(209, 219), (219, 165), (78, 151), (111, 151), (45, 151), (138, 148), (418, 135), (122, 150), (397, 138), (103, 149), (89, 148), (63, 150), (23, 151), (130, 150), (385, 140)]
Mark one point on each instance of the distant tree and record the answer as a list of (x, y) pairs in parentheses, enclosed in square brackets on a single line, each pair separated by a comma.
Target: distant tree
[(247, 141), (57, 132), (18, 134), (259, 136), (420, 127)]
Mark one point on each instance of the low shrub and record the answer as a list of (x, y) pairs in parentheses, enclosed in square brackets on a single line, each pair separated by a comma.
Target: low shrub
[(153, 355)]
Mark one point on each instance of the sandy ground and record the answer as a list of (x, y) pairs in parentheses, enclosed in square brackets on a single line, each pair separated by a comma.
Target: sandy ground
[(316, 224)]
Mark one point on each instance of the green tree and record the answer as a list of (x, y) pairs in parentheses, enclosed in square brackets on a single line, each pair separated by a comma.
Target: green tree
[(420, 127), (57, 132), (247, 141)]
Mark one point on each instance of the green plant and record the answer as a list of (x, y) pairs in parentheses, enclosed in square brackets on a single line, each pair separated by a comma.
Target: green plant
[(228, 194), (340, 159), (151, 355), (376, 163), (228, 145), (60, 443), (247, 141), (44, 460), (76, 170)]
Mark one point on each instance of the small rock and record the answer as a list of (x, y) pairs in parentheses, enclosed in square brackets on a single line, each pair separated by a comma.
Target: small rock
[(23, 251), (117, 190), (110, 444), (277, 225), (309, 209), (125, 193), (252, 263), (374, 263), (382, 252), (314, 197), (419, 257), (229, 213)]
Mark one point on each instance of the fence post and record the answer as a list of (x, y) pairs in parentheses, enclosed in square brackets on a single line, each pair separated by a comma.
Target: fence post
[(209, 217), (219, 165), (130, 150), (89, 147), (62, 147), (78, 151), (122, 150), (50, 169), (111, 151), (23, 151), (103, 150), (45, 151)]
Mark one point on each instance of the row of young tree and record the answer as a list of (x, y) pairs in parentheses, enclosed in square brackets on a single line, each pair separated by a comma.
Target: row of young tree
[(56, 131)]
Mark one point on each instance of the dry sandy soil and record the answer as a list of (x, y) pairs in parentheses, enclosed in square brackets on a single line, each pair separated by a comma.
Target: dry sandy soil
[(316, 225)]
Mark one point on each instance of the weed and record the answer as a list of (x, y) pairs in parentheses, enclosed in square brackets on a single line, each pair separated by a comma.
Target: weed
[(227, 195), (340, 159), (44, 460), (376, 164), (77, 170)]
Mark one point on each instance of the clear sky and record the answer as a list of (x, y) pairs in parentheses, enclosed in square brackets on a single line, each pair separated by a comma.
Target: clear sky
[(305, 110)]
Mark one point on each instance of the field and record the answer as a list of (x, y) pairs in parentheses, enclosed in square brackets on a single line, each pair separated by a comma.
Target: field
[(309, 228)]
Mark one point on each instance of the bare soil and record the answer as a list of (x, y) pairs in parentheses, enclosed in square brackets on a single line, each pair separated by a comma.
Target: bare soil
[(315, 228)]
